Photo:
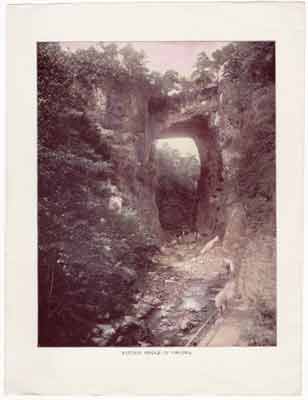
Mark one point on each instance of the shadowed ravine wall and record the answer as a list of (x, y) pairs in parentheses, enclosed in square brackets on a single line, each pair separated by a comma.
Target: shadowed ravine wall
[(236, 189), (210, 181), (237, 153), (99, 136)]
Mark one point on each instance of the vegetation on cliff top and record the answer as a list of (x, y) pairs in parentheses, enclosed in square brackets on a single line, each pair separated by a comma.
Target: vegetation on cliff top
[(91, 259)]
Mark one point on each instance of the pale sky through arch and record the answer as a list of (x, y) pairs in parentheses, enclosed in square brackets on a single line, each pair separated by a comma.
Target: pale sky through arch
[(161, 56), (186, 146)]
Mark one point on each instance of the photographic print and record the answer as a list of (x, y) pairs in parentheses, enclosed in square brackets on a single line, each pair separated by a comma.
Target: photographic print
[(156, 194)]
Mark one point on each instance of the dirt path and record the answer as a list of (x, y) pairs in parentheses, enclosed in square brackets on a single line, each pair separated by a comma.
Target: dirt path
[(228, 331)]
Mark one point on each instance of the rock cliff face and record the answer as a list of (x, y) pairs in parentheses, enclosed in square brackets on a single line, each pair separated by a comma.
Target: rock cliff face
[(105, 151), (92, 256), (126, 118), (196, 123), (236, 190), (226, 137), (150, 120), (247, 138)]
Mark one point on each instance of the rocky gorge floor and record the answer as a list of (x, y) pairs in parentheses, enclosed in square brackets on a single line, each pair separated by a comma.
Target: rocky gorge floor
[(175, 306)]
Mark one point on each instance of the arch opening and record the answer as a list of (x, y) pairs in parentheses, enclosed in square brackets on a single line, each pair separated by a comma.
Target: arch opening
[(178, 175), (208, 215)]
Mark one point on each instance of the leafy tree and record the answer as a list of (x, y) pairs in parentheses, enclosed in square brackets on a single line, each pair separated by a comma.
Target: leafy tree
[(203, 73), (81, 276), (169, 80), (54, 84), (134, 61), (220, 56), (253, 62)]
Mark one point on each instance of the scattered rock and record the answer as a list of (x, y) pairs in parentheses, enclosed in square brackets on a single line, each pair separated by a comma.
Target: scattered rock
[(106, 329), (127, 274), (129, 320), (96, 331), (98, 341), (190, 304), (170, 280), (185, 324), (119, 339), (143, 309), (103, 334), (149, 299), (137, 296), (144, 344)]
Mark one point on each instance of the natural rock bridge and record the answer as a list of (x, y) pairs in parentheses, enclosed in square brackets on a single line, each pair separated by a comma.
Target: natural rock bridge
[(110, 271), (200, 128)]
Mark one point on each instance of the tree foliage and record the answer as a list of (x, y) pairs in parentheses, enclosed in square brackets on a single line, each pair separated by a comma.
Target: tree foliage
[(89, 256), (203, 73)]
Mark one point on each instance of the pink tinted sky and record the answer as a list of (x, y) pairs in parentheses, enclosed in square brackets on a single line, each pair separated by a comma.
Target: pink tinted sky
[(161, 56)]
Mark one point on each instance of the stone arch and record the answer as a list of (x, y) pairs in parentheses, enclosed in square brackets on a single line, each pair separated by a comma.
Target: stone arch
[(209, 191)]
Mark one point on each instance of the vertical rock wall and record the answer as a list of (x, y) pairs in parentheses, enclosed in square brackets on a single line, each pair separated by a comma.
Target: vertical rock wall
[(247, 142), (127, 117), (232, 200)]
